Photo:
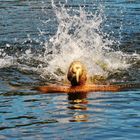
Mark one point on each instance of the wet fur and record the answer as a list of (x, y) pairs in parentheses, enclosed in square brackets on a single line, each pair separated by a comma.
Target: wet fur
[(82, 86), (82, 76)]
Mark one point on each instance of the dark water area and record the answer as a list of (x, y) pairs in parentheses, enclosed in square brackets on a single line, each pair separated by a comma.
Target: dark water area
[(25, 27)]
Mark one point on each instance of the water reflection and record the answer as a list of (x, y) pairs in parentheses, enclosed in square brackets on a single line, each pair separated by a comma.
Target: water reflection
[(78, 97), (78, 101)]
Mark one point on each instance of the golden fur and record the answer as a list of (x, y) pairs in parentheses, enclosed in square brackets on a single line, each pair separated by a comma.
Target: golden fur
[(77, 74)]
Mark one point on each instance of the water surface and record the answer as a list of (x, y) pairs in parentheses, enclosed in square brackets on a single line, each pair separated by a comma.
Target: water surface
[(38, 41)]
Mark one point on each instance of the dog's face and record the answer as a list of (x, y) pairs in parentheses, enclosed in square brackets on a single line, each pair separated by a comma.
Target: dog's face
[(77, 73)]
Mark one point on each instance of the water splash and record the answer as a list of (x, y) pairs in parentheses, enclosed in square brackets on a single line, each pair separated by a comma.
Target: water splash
[(79, 36), (5, 59)]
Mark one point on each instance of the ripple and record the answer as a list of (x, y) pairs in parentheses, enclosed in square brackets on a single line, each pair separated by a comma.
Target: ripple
[(28, 114)]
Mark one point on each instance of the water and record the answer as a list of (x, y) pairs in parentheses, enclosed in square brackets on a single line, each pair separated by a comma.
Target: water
[(38, 41)]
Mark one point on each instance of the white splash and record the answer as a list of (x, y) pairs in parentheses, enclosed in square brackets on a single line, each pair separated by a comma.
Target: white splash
[(79, 37), (6, 60)]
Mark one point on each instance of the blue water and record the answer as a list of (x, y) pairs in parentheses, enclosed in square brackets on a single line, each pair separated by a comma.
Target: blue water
[(27, 114)]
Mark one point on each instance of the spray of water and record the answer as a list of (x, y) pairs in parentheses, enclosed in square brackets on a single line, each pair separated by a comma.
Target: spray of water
[(79, 37)]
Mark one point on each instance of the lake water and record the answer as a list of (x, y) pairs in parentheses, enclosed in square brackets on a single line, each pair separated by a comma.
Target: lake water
[(39, 40)]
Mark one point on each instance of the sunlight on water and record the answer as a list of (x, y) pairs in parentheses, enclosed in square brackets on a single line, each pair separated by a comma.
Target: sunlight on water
[(79, 36)]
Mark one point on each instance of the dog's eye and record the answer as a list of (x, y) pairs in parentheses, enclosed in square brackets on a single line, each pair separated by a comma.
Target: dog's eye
[(77, 67)]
